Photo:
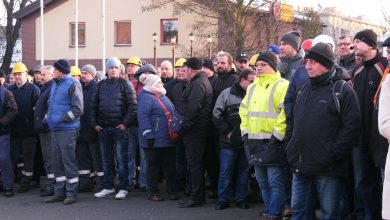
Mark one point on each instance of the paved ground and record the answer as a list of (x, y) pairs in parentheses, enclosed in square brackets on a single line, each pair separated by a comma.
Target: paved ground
[(136, 206)]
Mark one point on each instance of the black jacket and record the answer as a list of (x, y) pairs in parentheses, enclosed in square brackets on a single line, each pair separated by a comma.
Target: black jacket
[(226, 117), (196, 103), (348, 63), (87, 132), (365, 83), (174, 94), (41, 107), (322, 139), (223, 82), (8, 110), (114, 103)]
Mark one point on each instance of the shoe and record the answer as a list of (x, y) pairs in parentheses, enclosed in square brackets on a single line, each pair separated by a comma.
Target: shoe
[(46, 192), (189, 204), (221, 205), (69, 200), (156, 197), (122, 194), (104, 193), (287, 212), (24, 188), (54, 199), (173, 196), (8, 192), (243, 205)]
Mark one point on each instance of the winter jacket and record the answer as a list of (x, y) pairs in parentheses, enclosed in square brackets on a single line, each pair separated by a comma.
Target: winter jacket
[(165, 81), (175, 93), (384, 129), (26, 97), (226, 117), (169, 87), (8, 110), (223, 82), (87, 132), (322, 138), (65, 104), (41, 107), (114, 103), (365, 83), (153, 123), (349, 63), (288, 66), (196, 103)]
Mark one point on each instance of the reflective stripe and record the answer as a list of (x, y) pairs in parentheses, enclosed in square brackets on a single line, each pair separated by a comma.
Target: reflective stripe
[(244, 132), (27, 173), (61, 178), (278, 135), (259, 136), (271, 96), (100, 173), (145, 132), (281, 106), (263, 114), (74, 180), (50, 176), (242, 105), (250, 93), (84, 172), (71, 115), (20, 165)]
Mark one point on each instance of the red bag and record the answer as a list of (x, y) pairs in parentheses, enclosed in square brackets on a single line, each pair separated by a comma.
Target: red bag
[(174, 136)]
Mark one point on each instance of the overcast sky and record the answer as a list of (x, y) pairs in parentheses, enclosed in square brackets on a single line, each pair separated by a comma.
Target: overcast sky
[(371, 9)]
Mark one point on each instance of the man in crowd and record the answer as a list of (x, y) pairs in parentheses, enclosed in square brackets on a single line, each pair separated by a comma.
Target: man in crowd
[(346, 53), (290, 53), (241, 62), (36, 73), (166, 71)]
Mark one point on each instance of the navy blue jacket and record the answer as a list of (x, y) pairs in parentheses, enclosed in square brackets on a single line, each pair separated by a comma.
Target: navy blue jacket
[(87, 132), (26, 97), (41, 107), (153, 123)]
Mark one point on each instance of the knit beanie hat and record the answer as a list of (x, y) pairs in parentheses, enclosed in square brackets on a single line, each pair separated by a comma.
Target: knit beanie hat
[(274, 48), (112, 62), (208, 64), (146, 68), (323, 54), (268, 57), (63, 66), (194, 63), (368, 36), (293, 38), (89, 68), (151, 80)]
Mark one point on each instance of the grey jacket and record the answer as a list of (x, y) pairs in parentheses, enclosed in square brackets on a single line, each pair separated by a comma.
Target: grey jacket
[(288, 66)]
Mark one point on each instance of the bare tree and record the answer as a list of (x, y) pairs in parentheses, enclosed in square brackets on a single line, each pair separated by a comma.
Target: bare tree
[(312, 25)]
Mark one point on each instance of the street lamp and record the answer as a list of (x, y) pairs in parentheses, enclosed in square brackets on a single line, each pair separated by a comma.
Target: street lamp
[(209, 40), (173, 42), (192, 38), (154, 36)]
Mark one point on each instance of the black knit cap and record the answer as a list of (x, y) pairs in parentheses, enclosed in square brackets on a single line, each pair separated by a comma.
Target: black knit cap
[(323, 54), (63, 66), (293, 38), (268, 57), (208, 63), (193, 63), (368, 36), (386, 43)]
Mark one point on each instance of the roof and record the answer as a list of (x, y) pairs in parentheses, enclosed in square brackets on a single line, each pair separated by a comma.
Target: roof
[(31, 8)]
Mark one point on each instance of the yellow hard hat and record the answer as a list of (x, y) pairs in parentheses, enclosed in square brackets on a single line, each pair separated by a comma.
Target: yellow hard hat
[(75, 71), (180, 62), (252, 61), (19, 68), (134, 60)]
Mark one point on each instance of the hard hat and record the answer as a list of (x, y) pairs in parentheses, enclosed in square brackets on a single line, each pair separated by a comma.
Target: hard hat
[(180, 62), (19, 68), (75, 71), (252, 61), (134, 60), (324, 39), (306, 44)]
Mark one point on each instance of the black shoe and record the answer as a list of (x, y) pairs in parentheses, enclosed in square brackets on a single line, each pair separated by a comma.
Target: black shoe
[(54, 199), (9, 192), (24, 187), (69, 200), (189, 204), (221, 205), (243, 205)]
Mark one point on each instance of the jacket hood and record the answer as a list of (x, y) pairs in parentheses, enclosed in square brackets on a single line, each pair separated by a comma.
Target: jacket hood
[(341, 73), (300, 55)]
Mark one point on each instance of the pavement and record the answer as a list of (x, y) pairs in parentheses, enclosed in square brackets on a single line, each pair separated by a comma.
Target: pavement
[(30, 206)]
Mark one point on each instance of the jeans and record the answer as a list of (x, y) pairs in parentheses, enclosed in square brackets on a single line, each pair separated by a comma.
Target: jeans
[(233, 163), (112, 140), (367, 183), (133, 145), (272, 181), (5, 161), (329, 190)]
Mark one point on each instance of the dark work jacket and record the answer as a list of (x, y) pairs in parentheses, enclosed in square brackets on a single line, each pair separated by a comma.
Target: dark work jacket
[(176, 91), (87, 132), (165, 81), (223, 82), (196, 104), (322, 139), (226, 117), (169, 87), (365, 83), (41, 107), (26, 97), (288, 66), (114, 103), (348, 63), (8, 110)]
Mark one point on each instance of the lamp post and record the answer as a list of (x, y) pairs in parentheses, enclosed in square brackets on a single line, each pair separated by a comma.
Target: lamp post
[(192, 38), (154, 36), (173, 42), (209, 40)]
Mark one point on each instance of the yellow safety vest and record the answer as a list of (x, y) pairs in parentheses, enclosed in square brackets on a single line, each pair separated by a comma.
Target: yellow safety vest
[(262, 110)]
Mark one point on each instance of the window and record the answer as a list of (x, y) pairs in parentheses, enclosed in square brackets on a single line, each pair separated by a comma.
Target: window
[(81, 34), (122, 32), (169, 29)]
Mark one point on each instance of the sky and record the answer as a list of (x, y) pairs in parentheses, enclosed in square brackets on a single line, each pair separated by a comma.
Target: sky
[(371, 9)]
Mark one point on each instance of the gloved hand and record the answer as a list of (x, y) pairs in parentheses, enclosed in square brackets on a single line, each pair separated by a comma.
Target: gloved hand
[(150, 142)]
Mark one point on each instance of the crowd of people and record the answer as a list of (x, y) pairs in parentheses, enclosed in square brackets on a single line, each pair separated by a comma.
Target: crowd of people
[(308, 120)]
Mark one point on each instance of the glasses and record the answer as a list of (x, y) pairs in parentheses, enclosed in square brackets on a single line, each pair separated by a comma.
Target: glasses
[(344, 44)]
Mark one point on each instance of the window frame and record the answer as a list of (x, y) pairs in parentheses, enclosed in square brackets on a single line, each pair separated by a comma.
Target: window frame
[(116, 43), (162, 32), (71, 34)]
